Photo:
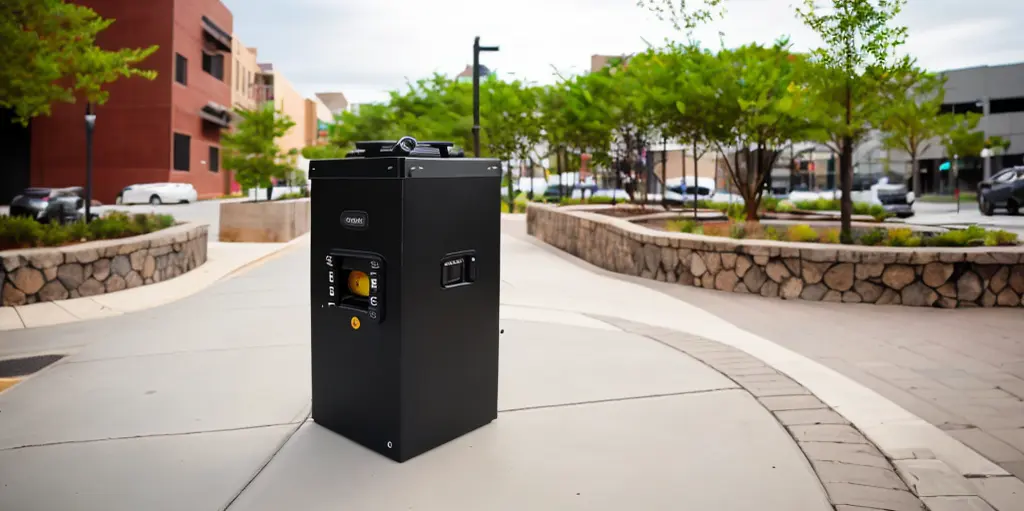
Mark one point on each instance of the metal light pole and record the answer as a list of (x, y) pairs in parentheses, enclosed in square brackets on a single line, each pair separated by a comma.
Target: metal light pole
[(476, 92), (90, 124)]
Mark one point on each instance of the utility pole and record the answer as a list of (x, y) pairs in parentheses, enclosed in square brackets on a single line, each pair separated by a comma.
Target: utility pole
[(476, 92)]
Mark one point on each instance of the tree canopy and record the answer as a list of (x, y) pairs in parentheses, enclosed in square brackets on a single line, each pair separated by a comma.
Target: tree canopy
[(251, 150), (745, 104), (49, 54)]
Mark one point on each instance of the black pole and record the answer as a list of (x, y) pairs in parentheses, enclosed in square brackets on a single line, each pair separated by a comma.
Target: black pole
[(476, 92), (90, 124), (476, 97), (664, 173)]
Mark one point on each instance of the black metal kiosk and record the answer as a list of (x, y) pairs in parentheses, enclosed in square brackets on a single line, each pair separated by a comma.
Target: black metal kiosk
[(404, 294)]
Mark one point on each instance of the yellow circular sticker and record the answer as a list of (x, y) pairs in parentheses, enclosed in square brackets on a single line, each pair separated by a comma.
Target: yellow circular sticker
[(355, 323)]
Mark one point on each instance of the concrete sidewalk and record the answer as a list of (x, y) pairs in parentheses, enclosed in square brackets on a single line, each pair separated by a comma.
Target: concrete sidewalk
[(203, 404), (223, 259)]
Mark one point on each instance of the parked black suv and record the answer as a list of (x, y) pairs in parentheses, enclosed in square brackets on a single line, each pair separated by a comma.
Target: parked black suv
[(1003, 190)]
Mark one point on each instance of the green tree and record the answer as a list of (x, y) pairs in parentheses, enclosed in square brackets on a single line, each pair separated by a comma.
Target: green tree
[(49, 54), (960, 135), (616, 97), (859, 45), (677, 84), (911, 118), (324, 152), (762, 104), (511, 112), (576, 120), (251, 150)]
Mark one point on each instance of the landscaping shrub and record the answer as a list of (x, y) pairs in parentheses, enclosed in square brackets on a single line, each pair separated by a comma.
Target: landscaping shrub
[(802, 233), (972, 236), (830, 236), (1000, 238), (568, 201), (721, 229), (291, 195), (901, 238), (19, 231), (784, 207), (685, 226), (872, 237), (23, 232)]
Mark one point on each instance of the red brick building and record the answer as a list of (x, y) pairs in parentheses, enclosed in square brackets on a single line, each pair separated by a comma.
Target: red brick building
[(167, 129)]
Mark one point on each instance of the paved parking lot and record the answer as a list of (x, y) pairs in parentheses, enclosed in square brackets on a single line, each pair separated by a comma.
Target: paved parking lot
[(946, 214)]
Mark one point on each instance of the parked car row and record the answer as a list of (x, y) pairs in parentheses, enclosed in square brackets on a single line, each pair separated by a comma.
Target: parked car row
[(157, 194), (62, 205), (1005, 190)]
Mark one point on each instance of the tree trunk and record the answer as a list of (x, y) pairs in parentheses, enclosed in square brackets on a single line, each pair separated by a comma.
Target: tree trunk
[(915, 172), (846, 174), (511, 196)]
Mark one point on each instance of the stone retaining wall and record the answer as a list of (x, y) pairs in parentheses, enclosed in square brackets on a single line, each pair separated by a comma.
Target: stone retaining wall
[(47, 274), (939, 277)]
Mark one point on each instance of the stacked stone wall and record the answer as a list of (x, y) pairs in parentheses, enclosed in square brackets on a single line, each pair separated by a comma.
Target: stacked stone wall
[(87, 269), (924, 276)]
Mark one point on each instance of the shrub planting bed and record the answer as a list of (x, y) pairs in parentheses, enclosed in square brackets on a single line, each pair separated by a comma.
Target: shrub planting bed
[(24, 232), (114, 260), (928, 276), (889, 236)]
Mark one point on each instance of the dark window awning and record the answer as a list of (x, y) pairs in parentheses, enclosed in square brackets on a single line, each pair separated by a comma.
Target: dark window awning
[(216, 114), (220, 38)]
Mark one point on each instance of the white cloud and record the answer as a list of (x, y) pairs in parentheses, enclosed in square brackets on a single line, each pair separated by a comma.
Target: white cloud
[(367, 48)]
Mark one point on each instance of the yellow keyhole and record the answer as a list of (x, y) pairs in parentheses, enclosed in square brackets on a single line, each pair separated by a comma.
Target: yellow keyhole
[(355, 323)]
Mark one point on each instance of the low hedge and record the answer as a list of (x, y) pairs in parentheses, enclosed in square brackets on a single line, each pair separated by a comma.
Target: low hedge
[(24, 232), (972, 236)]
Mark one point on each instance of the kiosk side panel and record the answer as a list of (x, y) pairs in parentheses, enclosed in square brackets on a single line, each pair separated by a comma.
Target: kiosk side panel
[(450, 295)]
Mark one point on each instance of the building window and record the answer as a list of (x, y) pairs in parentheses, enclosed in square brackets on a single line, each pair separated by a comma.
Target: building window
[(1006, 105), (180, 69), (238, 77), (214, 159), (182, 151), (961, 108), (214, 65)]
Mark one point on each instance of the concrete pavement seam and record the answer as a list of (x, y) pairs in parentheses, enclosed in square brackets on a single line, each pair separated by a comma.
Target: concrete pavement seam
[(850, 461), (133, 437), (263, 466), (616, 399), (179, 352)]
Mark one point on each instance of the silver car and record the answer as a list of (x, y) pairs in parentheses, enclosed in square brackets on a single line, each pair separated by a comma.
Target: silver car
[(49, 204)]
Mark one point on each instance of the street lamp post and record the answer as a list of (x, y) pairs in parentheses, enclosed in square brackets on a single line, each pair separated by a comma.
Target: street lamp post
[(90, 124), (476, 92)]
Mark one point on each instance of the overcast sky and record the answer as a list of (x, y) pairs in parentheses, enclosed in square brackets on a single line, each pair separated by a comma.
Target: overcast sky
[(365, 48)]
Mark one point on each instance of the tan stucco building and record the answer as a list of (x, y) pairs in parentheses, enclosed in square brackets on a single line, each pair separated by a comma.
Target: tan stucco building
[(336, 102), (244, 70), (271, 85), (317, 116)]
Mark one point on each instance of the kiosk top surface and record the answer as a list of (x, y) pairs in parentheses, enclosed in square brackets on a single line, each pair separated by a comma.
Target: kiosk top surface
[(403, 167)]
